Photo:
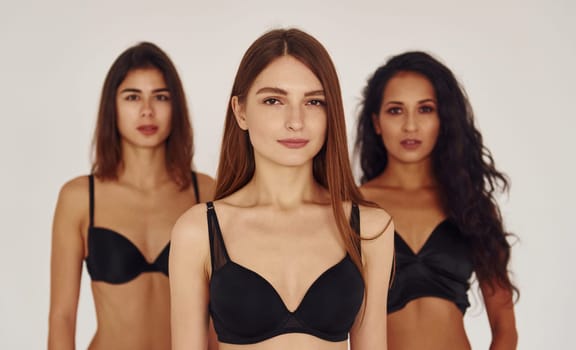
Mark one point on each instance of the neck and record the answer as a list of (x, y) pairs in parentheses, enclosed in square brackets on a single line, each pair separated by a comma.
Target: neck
[(408, 176), (285, 187), (143, 168)]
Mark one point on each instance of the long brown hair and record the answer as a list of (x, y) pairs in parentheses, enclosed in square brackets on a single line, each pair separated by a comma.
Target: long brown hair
[(107, 140), (331, 166)]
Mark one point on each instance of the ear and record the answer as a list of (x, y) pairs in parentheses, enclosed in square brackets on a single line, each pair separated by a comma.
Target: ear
[(239, 113), (376, 123)]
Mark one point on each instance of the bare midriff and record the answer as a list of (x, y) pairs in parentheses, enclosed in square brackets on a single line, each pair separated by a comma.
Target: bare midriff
[(427, 324), (134, 315)]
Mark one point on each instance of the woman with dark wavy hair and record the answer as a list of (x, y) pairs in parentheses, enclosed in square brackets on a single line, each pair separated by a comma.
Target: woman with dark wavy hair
[(118, 219), (423, 161), (288, 256)]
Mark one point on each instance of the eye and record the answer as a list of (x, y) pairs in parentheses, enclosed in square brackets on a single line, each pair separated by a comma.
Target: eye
[(271, 101), (317, 102), (427, 109), (162, 97), (132, 97), (394, 110)]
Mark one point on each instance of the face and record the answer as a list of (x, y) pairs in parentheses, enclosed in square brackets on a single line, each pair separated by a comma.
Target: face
[(284, 113), (408, 120), (144, 108)]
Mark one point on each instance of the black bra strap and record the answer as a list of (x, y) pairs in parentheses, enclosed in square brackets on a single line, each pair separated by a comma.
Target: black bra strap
[(91, 190), (355, 223), (195, 185), (218, 254), (355, 218)]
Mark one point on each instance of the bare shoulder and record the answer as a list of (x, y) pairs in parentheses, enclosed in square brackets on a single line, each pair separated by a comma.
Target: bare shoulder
[(190, 243), (71, 214), (375, 222), (204, 179), (76, 187), (206, 186), (191, 228), (74, 196)]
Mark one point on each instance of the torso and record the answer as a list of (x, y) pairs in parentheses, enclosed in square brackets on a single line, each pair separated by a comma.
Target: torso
[(290, 250), (135, 314), (427, 322)]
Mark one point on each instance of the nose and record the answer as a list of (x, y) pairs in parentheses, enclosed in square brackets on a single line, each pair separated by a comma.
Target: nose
[(146, 110), (295, 118), (410, 124)]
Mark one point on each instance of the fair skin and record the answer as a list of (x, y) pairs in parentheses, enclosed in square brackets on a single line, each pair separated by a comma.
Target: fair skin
[(408, 123), (135, 314), (281, 223)]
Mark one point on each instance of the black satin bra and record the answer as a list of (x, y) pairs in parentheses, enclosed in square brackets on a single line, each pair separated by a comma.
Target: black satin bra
[(442, 268), (113, 258), (247, 309)]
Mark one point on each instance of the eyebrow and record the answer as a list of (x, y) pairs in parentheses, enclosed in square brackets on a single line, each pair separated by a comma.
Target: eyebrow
[(421, 101), (140, 91), (283, 92)]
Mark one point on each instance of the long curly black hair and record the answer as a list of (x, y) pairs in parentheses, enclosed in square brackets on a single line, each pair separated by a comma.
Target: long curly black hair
[(462, 165)]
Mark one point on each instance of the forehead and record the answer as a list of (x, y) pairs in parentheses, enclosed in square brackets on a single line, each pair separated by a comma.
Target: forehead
[(144, 77), (407, 85), (287, 73)]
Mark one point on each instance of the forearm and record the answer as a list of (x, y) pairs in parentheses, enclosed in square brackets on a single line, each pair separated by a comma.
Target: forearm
[(504, 340), (61, 333)]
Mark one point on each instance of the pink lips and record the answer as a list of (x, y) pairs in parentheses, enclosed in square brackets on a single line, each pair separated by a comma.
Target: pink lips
[(410, 144), (148, 129), (293, 143)]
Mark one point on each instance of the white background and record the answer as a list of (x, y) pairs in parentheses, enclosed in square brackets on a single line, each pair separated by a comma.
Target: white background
[(515, 58)]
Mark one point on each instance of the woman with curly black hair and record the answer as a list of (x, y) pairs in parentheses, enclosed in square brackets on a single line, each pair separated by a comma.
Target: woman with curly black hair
[(423, 160)]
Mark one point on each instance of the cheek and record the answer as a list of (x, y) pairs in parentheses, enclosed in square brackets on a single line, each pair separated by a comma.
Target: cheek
[(163, 115), (122, 117), (321, 124), (263, 120), (433, 130), (259, 130), (388, 130), (167, 116)]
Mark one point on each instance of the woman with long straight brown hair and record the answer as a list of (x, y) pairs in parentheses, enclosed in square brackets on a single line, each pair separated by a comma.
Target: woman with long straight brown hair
[(288, 256), (118, 219)]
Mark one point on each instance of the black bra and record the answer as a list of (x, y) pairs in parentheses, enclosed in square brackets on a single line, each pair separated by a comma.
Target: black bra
[(246, 309), (442, 268), (113, 258)]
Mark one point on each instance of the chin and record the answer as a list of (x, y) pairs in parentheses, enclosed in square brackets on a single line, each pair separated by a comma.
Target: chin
[(413, 160)]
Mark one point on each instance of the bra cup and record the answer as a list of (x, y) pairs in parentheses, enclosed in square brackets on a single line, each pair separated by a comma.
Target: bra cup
[(161, 262), (452, 258), (242, 301), (114, 259), (333, 301), (245, 306), (442, 268)]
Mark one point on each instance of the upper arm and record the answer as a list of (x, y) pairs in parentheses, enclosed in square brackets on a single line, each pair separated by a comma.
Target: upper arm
[(68, 249), (500, 308), (189, 270), (369, 331), (206, 187)]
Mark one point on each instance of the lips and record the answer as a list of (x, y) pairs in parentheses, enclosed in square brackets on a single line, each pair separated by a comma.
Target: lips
[(148, 129), (293, 143), (410, 143)]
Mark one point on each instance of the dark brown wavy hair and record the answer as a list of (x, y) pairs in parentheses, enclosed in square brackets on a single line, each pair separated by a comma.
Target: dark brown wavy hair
[(331, 166), (107, 140), (462, 165)]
